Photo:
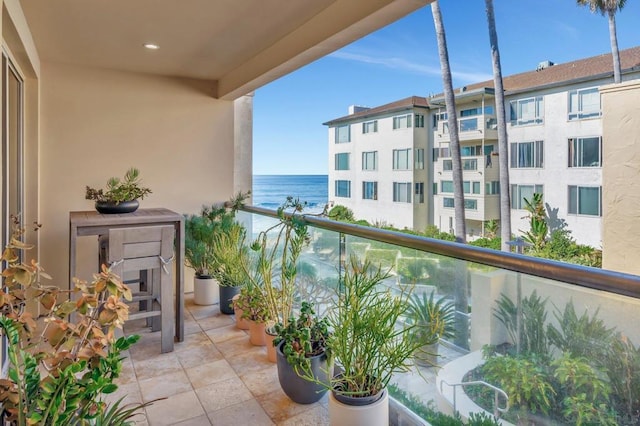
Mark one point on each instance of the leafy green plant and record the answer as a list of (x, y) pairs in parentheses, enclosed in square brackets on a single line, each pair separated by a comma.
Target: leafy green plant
[(231, 259), (304, 337), (434, 319), (491, 228), (366, 342), (581, 337), (276, 264), (341, 213), (412, 269), (538, 228), (622, 364), (531, 334), (202, 230), (58, 376), (524, 380), (117, 190)]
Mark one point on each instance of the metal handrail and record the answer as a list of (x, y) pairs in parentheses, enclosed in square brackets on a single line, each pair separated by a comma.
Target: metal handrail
[(497, 410), (594, 278)]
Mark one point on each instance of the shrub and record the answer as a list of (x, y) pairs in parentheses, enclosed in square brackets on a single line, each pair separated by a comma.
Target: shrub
[(341, 213)]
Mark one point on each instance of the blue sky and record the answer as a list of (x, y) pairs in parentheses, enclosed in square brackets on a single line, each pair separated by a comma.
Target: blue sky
[(401, 60)]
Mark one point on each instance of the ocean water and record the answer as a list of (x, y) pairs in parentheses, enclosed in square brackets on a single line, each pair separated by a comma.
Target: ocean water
[(271, 191)]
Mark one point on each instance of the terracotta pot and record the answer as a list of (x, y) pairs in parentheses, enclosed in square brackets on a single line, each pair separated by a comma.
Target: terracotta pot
[(271, 350), (241, 323), (257, 334)]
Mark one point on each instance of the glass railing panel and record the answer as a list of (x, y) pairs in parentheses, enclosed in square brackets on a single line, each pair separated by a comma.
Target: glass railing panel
[(561, 351)]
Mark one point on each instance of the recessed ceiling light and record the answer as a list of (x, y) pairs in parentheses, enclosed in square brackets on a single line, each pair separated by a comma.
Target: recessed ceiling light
[(151, 46)]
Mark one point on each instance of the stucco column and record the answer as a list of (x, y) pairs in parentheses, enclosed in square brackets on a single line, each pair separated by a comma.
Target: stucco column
[(621, 177), (243, 143)]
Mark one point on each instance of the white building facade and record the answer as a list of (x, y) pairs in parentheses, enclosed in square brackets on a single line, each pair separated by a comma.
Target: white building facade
[(378, 163), (554, 126)]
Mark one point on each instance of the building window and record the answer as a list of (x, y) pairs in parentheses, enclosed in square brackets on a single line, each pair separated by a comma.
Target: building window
[(468, 124), (435, 188), (402, 192), (527, 111), (402, 121), (471, 187), (419, 192), (527, 155), (437, 118), (369, 190), (468, 204), (342, 161), (585, 200), (343, 188), (472, 151), (418, 120), (401, 159), (520, 192), (470, 164), (446, 186), (370, 160), (492, 188), (343, 134), (585, 152), (476, 111), (584, 103), (447, 165), (370, 126), (418, 159)]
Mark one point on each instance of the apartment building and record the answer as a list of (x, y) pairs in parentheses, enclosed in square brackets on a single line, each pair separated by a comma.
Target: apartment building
[(378, 163), (555, 148)]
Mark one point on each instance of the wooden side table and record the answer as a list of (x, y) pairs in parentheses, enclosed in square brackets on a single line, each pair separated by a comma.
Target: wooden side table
[(86, 223)]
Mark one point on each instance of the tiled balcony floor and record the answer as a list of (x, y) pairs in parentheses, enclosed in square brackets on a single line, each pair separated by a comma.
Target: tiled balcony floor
[(216, 377)]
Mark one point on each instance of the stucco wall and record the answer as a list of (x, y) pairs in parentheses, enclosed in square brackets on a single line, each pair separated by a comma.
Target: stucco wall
[(98, 123), (621, 177)]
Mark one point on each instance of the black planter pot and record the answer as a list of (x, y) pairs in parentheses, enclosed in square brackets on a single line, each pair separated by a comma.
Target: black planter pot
[(108, 207), (353, 400), (226, 294), (299, 390)]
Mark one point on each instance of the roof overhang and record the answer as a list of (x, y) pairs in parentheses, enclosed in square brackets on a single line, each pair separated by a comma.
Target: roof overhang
[(463, 96), (240, 45)]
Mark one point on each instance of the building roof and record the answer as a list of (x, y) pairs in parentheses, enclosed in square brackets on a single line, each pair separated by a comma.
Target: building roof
[(401, 105), (586, 69), (592, 68)]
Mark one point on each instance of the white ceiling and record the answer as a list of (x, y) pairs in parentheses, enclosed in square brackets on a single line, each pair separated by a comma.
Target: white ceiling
[(241, 44)]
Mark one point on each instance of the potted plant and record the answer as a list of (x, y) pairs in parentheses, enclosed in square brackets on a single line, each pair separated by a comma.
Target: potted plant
[(120, 196), (367, 344), (231, 260), (302, 348), (59, 369), (200, 234), (255, 312), (433, 320)]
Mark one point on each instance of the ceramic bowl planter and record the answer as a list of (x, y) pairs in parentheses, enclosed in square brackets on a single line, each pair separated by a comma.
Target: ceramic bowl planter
[(110, 207), (298, 389), (205, 290), (227, 293)]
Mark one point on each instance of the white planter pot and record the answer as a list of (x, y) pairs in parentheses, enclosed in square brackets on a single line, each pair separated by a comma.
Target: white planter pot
[(376, 414), (205, 291)]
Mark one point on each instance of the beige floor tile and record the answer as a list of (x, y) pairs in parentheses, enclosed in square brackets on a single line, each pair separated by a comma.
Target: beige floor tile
[(130, 392), (223, 394), (279, 407), (191, 341), (232, 347), (191, 326), (175, 409), (213, 372), (245, 413), (261, 381), (164, 385), (141, 351), (197, 421), (316, 416), (127, 374), (157, 366), (221, 334), (216, 321), (198, 356), (251, 360), (199, 312)]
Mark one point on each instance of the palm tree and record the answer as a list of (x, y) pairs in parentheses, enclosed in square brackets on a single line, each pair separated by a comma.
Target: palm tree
[(460, 274), (503, 142), (454, 144), (608, 7)]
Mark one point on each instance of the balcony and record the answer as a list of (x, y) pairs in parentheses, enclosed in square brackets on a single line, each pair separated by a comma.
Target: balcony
[(475, 128), (219, 377)]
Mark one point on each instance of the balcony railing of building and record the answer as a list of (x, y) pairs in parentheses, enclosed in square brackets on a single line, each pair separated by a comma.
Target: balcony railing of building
[(576, 317)]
